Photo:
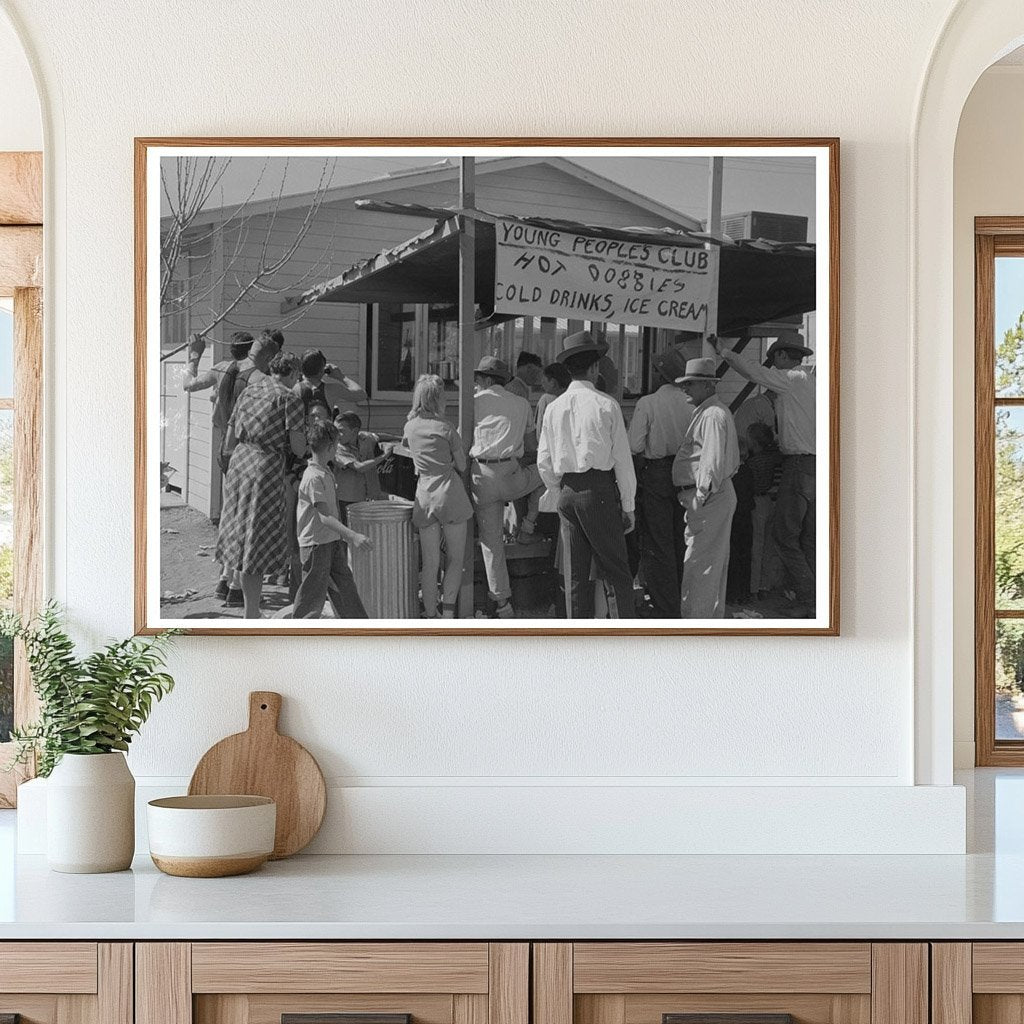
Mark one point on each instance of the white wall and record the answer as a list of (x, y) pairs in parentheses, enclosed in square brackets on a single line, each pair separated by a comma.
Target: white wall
[(21, 127), (444, 715), (987, 182)]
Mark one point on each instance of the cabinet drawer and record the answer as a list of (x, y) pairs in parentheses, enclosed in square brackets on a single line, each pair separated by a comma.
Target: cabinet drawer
[(340, 967), (980, 982), (332, 983), (998, 968), (750, 967), (730, 983), (66, 967), (66, 982)]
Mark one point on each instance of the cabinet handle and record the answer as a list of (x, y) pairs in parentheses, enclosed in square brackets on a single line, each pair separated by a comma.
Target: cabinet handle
[(727, 1018), (337, 1018)]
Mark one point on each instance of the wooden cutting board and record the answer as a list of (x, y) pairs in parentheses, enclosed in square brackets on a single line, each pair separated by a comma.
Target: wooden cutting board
[(262, 762)]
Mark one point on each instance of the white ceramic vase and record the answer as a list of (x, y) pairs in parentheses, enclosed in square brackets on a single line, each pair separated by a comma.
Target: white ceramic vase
[(90, 814)]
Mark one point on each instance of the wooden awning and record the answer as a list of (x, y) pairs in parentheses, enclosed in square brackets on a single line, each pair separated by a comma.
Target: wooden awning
[(759, 280)]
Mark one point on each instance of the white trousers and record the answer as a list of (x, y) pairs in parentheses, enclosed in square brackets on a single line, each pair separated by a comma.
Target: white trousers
[(494, 483), (706, 565)]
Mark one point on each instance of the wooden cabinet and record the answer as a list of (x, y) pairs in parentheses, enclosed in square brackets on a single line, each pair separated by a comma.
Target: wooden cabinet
[(978, 983), (263, 982), (66, 982), (494, 983), (760, 982)]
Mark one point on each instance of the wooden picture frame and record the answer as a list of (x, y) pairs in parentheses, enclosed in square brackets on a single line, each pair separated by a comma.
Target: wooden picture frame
[(154, 604)]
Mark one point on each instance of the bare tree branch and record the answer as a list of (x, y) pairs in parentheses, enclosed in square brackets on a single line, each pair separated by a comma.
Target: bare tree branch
[(197, 179)]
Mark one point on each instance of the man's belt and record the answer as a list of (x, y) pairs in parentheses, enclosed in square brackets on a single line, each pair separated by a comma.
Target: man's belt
[(491, 462)]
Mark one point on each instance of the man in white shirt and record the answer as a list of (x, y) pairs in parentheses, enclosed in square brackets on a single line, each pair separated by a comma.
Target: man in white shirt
[(504, 432), (655, 435), (584, 456), (703, 472), (795, 388)]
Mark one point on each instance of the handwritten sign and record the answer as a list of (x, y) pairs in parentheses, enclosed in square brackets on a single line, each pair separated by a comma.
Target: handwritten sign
[(546, 272)]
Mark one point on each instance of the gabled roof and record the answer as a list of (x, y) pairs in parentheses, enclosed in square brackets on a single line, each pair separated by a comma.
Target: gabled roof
[(404, 179)]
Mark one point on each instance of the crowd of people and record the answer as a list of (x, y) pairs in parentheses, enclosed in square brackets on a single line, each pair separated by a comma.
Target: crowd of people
[(723, 517), (690, 509), (292, 460)]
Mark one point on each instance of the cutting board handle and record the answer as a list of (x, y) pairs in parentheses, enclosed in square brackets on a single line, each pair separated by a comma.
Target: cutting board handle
[(264, 710)]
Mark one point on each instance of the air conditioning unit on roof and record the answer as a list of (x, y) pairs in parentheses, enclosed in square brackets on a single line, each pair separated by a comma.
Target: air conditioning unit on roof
[(775, 227)]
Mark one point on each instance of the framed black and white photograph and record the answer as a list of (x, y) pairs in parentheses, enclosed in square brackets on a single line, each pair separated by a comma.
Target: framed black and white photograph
[(450, 386)]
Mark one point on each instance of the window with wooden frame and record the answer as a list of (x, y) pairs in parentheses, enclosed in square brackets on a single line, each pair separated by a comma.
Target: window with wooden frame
[(999, 490), (21, 365)]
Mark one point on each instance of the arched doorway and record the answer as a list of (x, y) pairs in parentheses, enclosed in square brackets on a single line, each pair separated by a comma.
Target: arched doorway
[(977, 33), (989, 724)]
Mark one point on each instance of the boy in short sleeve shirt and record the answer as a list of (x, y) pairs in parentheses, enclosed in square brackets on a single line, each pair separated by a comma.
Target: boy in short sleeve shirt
[(325, 570)]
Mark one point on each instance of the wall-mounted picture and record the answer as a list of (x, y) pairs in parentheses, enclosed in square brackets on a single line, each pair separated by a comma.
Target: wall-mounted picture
[(455, 386)]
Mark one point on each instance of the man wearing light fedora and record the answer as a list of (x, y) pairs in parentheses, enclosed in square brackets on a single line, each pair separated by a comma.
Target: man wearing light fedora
[(504, 432), (795, 387), (656, 434), (584, 457), (703, 472)]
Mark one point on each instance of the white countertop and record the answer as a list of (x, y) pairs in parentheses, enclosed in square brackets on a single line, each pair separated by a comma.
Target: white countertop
[(977, 896), (516, 897)]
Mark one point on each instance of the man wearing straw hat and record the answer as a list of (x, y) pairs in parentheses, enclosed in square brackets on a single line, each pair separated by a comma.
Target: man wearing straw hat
[(795, 388), (503, 432), (703, 472), (656, 434), (584, 456)]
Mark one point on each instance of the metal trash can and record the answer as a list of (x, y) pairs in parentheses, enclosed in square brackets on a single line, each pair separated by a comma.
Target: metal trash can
[(386, 577)]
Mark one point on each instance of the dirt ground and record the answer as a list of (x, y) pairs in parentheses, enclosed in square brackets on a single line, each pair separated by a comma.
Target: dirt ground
[(189, 574)]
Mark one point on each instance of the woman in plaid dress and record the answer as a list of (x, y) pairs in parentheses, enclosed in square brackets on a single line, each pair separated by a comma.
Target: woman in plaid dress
[(267, 424)]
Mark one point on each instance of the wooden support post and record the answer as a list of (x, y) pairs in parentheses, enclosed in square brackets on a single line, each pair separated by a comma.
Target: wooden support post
[(723, 367), (467, 357), (716, 164)]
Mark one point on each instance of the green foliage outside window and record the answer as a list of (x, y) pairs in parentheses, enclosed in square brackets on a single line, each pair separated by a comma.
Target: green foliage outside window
[(1009, 510)]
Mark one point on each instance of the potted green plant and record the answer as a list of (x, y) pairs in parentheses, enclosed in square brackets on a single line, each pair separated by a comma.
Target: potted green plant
[(89, 710)]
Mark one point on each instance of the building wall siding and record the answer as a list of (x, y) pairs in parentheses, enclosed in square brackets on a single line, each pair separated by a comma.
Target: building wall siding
[(342, 235)]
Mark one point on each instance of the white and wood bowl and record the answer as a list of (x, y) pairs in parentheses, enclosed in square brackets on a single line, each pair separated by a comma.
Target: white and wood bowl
[(211, 836)]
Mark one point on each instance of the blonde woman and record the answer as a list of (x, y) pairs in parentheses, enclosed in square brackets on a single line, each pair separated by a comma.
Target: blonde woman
[(442, 505)]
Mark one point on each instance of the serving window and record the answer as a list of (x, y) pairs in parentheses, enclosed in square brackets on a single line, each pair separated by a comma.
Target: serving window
[(408, 339)]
